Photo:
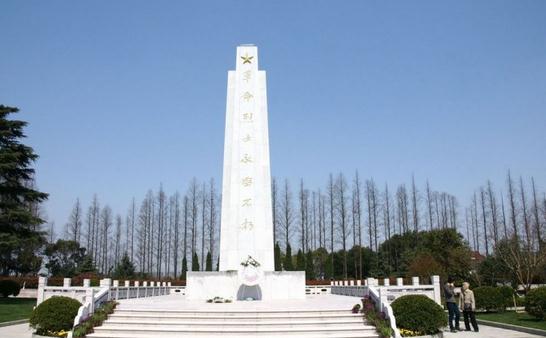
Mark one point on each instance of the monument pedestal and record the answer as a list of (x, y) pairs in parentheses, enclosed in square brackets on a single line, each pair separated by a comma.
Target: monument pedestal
[(202, 285)]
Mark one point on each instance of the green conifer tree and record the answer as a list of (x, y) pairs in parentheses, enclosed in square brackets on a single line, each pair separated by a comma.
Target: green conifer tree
[(184, 268), (208, 266), (309, 266), (20, 238), (195, 262), (300, 261), (277, 256), (287, 264)]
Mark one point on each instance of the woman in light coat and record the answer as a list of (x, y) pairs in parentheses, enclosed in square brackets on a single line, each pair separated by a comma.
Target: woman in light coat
[(467, 304)]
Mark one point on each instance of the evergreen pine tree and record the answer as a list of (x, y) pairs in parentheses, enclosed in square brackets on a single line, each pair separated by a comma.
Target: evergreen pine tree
[(184, 268), (309, 266), (277, 256), (329, 267), (195, 262), (87, 265), (288, 265), (20, 237), (208, 266), (300, 261), (125, 268)]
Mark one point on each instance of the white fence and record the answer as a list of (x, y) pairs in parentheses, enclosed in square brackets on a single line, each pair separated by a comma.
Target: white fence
[(384, 294), (391, 292), (93, 297)]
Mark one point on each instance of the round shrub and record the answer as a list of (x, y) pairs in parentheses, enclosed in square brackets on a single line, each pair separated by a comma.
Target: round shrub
[(419, 313), (54, 315), (535, 302), (489, 298), (9, 287)]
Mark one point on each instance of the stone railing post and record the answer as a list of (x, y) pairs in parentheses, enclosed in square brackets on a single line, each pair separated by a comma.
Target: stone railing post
[(137, 288), (42, 283), (415, 281), (386, 282), (67, 282), (400, 281), (436, 284), (145, 286), (87, 283), (127, 283), (90, 298), (358, 282)]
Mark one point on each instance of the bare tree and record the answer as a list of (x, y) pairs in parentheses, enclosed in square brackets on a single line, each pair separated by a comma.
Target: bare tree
[(117, 239), (106, 225), (303, 216), (538, 225), (525, 218), (204, 216), (131, 222), (475, 221), (429, 206), (212, 218), (484, 216), (274, 207), (414, 204), (494, 212), (176, 242), (74, 225), (342, 212), (193, 195), (505, 228), (357, 219), (512, 201), (287, 213)]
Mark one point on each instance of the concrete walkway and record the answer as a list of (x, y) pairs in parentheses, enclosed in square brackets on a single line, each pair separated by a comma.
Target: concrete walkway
[(490, 332), (16, 331)]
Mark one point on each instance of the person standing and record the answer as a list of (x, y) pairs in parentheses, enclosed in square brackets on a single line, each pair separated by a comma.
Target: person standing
[(467, 304), (451, 304)]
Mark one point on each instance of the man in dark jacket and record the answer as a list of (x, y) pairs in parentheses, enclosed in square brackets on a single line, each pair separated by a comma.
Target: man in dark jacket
[(451, 304)]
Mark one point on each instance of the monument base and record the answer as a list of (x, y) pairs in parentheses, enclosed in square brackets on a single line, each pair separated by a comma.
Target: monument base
[(227, 284)]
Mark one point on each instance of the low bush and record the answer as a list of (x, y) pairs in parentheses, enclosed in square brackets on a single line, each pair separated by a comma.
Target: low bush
[(507, 294), (535, 303), (9, 288), (418, 314), (54, 316), (98, 317), (375, 318), (489, 298)]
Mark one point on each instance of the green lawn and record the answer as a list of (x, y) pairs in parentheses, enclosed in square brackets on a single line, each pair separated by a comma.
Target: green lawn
[(511, 317), (15, 308)]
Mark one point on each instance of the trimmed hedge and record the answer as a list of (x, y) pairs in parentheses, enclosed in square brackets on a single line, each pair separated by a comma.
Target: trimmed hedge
[(9, 288), (54, 315), (419, 313), (489, 298), (535, 302)]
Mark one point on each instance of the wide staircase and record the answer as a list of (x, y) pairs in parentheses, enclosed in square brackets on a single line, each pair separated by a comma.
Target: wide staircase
[(139, 323)]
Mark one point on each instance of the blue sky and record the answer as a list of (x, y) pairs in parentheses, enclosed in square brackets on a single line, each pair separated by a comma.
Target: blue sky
[(124, 95)]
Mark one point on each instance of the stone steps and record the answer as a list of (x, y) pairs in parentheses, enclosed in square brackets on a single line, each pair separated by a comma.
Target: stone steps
[(127, 323)]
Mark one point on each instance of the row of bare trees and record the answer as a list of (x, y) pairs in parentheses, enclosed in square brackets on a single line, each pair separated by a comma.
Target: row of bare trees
[(158, 236), (494, 215), (346, 212)]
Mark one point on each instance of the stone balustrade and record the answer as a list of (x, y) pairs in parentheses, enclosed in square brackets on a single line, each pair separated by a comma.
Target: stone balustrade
[(358, 288)]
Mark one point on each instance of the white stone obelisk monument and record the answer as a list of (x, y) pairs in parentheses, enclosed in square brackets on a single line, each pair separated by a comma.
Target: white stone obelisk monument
[(246, 228), (246, 223)]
